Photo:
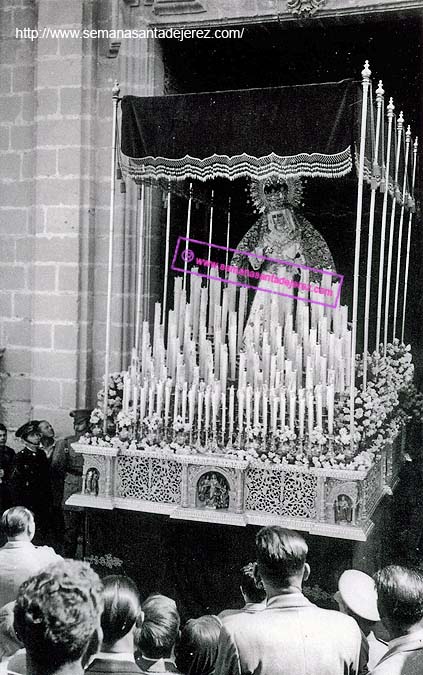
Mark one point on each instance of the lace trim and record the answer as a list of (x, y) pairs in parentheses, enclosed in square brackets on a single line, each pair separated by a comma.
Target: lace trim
[(240, 166)]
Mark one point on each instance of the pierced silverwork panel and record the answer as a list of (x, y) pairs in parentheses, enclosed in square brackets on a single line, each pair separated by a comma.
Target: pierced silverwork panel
[(166, 480), (133, 477), (263, 490), (299, 494)]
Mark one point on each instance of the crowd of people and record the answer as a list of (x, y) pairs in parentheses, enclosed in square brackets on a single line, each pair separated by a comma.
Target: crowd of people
[(58, 618), (41, 476)]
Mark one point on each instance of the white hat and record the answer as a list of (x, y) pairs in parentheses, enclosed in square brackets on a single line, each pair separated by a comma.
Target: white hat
[(358, 592)]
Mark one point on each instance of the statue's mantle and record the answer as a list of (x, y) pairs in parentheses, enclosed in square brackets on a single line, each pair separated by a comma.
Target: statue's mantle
[(211, 488)]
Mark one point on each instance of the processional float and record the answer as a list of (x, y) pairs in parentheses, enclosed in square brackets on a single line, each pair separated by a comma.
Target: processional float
[(246, 402)]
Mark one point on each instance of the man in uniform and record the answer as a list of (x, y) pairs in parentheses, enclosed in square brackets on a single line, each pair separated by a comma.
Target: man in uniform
[(30, 480), (66, 476)]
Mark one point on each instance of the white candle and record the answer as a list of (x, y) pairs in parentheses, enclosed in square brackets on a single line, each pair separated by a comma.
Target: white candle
[(151, 399), (176, 403), (184, 401), (240, 410), (223, 397), (231, 411), (191, 406), (310, 412), (135, 401), (330, 406), (319, 405), (256, 406), (301, 411), (143, 401), (274, 413), (249, 392), (167, 399), (264, 411), (241, 314), (282, 397), (207, 409), (200, 410), (224, 312), (292, 406), (232, 343), (159, 397)]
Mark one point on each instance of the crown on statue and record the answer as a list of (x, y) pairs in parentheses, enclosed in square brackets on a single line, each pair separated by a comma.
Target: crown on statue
[(275, 193)]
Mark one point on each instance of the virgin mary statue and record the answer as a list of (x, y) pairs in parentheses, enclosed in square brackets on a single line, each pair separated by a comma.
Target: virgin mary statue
[(282, 234)]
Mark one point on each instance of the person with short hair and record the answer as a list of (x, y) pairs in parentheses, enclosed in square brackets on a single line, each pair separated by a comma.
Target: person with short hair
[(30, 479), (47, 436), (66, 478), (291, 636), (252, 591), (121, 611), (57, 613), (400, 604), (158, 634), (357, 597), (196, 649), (19, 558)]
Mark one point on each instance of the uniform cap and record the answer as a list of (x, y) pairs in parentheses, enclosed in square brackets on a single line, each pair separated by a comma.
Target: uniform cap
[(28, 428), (80, 415), (358, 592)]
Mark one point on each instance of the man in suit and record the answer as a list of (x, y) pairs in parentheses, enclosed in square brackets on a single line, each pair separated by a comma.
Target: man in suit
[(57, 618), (19, 558), (252, 592), (291, 636), (400, 604), (66, 477)]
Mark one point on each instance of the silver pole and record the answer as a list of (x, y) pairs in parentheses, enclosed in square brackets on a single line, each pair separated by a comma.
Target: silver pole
[(410, 222), (187, 234), (400, 125), (115, 95), (404, 194), (390, 109), (365, 73), (140, 267), (166, 256), (376, 170)]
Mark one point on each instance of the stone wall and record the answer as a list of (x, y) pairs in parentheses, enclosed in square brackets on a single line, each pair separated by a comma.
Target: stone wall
[(55, 148)]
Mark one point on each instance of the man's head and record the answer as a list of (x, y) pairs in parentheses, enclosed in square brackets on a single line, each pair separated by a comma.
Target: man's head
[(18, 524), (3, 435), (81, 420), (281, 558), (46, 429), (251, 585), (400, 599), (57, 612), (160, 627)]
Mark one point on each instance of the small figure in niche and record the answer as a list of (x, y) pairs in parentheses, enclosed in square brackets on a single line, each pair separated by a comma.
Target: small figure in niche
[(91, 481), (213, 491), (343, 509)]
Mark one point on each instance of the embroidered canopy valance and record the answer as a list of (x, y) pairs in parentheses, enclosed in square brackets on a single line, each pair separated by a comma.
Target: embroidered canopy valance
[(305, 130)]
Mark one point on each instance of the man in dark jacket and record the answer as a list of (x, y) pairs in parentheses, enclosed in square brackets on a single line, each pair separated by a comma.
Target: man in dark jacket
[(30, 480), (66, 477)]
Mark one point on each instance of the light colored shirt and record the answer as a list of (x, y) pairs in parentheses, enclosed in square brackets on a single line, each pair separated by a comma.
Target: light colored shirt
[(404, 656), (113, 656), (18, 561)]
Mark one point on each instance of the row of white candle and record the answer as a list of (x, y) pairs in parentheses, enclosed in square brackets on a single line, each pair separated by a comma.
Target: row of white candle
[(207, 406)]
